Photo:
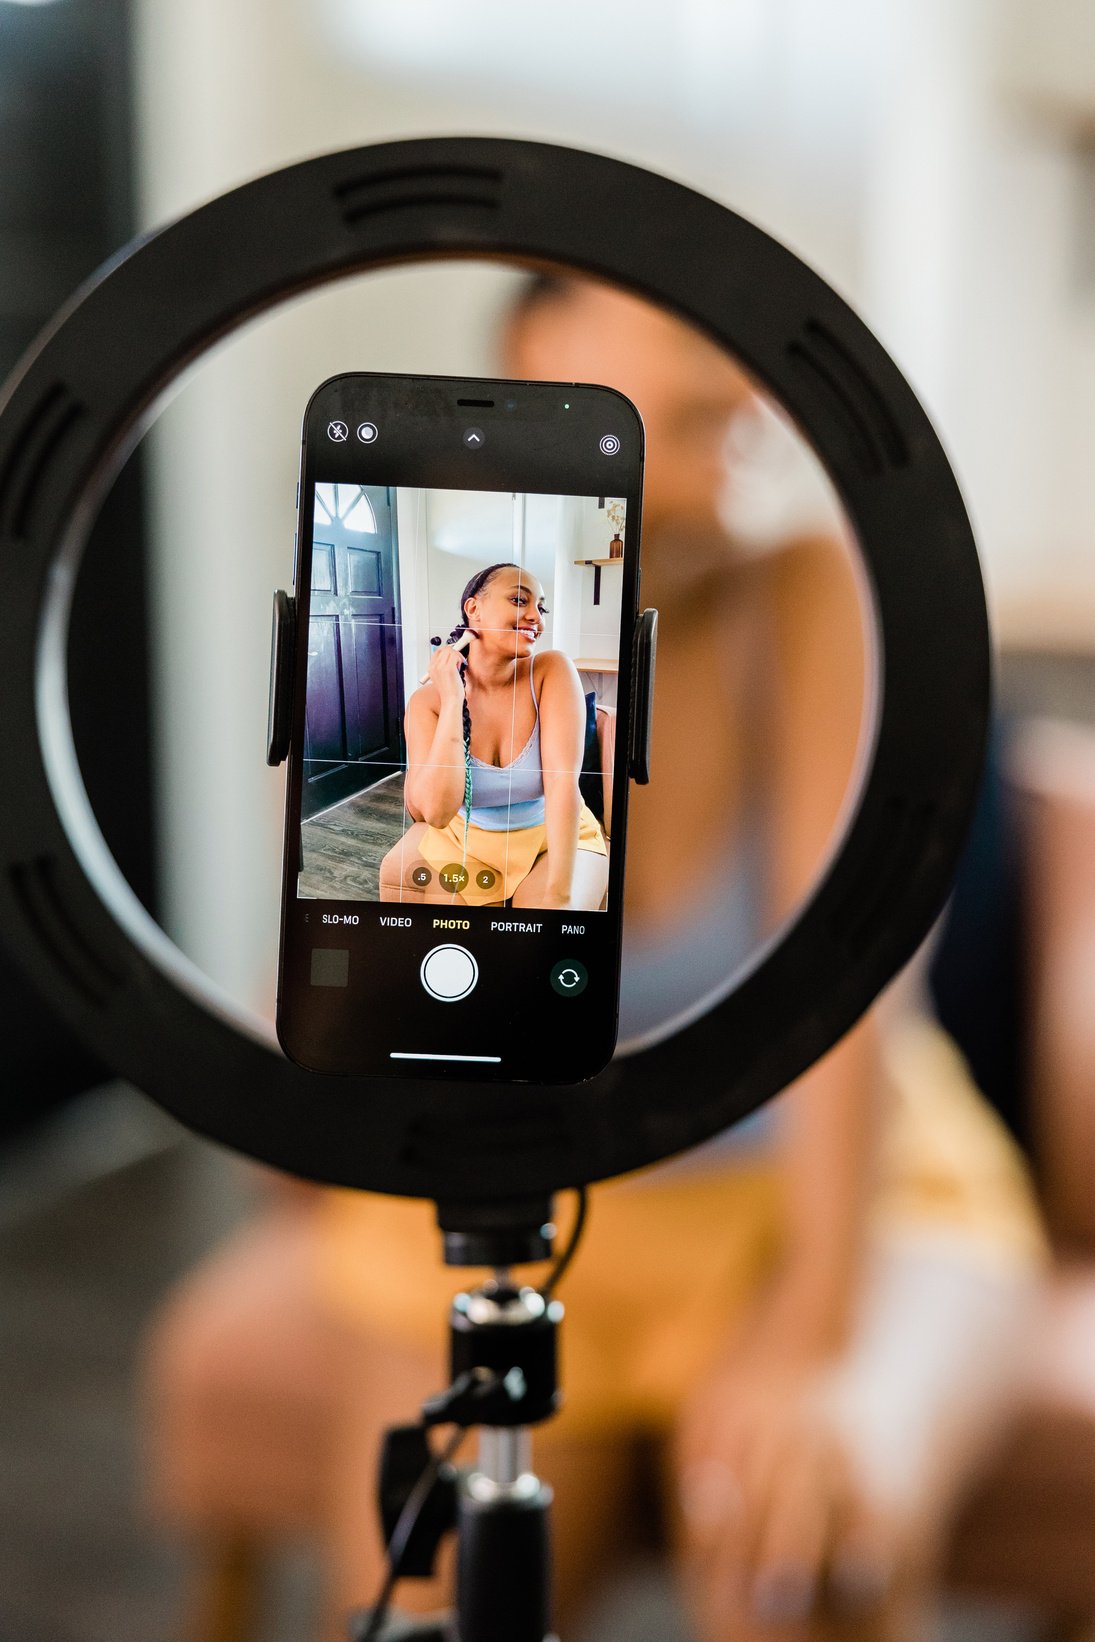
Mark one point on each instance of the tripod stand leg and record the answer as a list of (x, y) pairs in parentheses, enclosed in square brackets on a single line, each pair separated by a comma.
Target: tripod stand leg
[(503, 1574)]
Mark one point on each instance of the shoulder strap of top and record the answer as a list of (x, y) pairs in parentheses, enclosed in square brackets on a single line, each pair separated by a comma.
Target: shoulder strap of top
[(532, 687)]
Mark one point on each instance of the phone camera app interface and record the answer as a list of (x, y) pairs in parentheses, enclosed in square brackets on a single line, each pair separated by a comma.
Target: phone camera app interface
[(460, 715)]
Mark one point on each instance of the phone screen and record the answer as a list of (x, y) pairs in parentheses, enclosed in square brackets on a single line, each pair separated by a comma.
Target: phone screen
[(466, 586)]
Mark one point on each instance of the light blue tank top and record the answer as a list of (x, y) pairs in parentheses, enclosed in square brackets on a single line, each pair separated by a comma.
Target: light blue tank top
[(507, 796), (718, 928), (663, 980)]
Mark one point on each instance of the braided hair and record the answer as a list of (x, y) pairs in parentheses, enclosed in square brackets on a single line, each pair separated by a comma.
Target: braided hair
[(474, 586)]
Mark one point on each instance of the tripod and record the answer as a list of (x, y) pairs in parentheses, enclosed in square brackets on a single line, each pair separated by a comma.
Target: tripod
[(503, 1355)]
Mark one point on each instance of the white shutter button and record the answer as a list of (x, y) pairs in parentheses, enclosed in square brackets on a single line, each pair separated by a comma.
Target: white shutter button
[(449, 973)]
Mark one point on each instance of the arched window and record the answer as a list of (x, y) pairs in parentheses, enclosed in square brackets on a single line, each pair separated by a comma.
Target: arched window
[(347, 505)]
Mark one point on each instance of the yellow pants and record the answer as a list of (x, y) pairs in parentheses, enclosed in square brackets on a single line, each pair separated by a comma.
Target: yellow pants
[(507, 858), (644, 1315), (669, 1263)]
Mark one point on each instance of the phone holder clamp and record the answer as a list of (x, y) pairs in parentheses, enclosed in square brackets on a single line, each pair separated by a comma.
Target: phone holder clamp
[(280, 721)]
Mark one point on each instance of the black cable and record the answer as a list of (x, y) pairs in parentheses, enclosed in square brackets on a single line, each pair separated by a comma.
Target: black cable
[(404, 1528), (571, 1249)]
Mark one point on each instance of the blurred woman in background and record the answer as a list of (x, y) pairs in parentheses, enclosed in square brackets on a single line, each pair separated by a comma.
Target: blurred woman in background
[(819, 1333)]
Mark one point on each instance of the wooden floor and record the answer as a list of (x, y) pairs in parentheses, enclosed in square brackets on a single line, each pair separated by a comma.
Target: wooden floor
[(343, 847), (99, 1214)]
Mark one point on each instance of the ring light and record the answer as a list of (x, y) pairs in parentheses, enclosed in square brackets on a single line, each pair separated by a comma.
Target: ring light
[(74, 409)]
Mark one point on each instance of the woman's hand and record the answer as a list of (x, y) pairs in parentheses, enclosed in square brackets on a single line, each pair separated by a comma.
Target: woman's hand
[(434, 788), (557, 897), (776, 1524), (445, 664)]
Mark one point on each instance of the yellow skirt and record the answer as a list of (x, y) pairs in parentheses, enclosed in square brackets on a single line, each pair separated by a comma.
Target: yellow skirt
[(502, 859), (662, 1272), (671, 1263)]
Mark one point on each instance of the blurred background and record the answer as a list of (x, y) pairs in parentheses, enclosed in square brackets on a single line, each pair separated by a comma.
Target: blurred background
[(936, 163)]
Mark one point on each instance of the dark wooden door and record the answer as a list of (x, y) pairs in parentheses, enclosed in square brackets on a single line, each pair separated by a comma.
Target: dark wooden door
[(353, 733)]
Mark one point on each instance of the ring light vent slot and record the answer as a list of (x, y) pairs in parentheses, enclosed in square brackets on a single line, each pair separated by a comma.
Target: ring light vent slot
[(43, 907), (875, 435), (33, 448), (418, 185), (890, 859)]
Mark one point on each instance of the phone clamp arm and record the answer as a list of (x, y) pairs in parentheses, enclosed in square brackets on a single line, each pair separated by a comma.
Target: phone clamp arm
[(282, 638), (642, 696), (280, 721)]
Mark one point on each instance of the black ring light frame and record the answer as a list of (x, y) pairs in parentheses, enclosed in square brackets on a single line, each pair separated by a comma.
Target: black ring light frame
[(74, 410)]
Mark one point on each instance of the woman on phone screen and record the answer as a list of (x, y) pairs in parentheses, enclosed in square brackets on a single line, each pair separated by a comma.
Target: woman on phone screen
[(495, 739)]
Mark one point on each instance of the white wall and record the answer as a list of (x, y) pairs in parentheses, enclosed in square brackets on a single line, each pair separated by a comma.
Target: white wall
[(410, 520), (970, 276), (225, 92), (885, 143), (598, 624)]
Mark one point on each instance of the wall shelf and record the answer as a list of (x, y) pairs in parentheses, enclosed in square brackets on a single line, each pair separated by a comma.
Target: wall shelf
[(597, 563)]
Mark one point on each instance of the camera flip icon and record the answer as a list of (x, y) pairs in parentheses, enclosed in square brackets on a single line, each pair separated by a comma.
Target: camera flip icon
[(569, 978)]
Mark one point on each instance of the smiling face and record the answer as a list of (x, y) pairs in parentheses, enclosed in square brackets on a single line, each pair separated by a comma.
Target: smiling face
[(508, 612)]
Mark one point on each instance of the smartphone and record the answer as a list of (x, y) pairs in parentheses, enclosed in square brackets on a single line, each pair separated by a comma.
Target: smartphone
[(456, 690)]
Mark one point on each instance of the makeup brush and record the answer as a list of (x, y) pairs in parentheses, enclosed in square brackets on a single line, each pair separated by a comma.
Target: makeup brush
[(461, 642)]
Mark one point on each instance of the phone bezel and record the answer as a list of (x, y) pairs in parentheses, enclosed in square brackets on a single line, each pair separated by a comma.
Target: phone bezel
[(73, 410)]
